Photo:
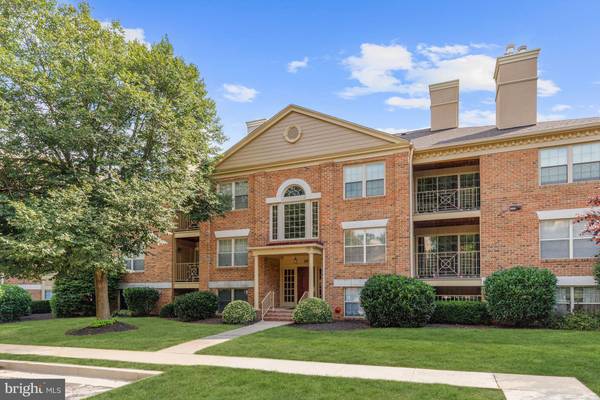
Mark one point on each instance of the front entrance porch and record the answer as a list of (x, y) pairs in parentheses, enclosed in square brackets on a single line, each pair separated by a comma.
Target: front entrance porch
[(286, 274)]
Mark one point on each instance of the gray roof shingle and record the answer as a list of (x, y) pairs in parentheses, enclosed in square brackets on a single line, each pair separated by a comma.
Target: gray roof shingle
[(424, 138)]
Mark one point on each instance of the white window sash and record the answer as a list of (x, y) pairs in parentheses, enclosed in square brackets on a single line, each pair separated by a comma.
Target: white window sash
[(570, 163), (571, 238), (364, 247), (232, 184), (364, 180), (232, 253), (308, 225)]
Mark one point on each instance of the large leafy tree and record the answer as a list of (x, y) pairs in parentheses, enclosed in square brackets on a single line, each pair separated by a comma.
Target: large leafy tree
[(101, 141)]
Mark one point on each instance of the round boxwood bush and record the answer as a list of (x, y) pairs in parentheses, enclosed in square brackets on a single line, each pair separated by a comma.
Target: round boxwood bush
[(312, 311), (196, 305), (521, 296), (394, 300), (239, 312), (15, 302), (141, 300), (167, 311)]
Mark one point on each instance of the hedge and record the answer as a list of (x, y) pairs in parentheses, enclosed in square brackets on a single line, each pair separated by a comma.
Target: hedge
[(196, 305), (312, 311), (167, 311), (394, 300), (578, 321), (460, 312), (15, 302), (141, 300), (521, 296), (40, 307), (239, 312)]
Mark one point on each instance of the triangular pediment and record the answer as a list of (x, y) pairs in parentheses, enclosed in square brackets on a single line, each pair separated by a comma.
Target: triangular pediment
[(276, 141)]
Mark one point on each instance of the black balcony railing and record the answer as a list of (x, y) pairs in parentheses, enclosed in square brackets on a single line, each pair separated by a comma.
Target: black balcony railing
[(449, 264), (448, 200)]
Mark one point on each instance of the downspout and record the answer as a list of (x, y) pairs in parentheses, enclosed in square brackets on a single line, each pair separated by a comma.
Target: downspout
[(410, 210)]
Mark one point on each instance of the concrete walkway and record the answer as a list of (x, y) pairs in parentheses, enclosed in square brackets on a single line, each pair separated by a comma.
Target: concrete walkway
[(193, 346), (515, 387)]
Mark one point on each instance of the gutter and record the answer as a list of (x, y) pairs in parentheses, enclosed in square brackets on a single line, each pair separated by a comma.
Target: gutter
[(410, 210)]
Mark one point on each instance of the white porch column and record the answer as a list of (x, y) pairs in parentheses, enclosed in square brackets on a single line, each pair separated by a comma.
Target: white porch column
[(256, 291), (311, 274)]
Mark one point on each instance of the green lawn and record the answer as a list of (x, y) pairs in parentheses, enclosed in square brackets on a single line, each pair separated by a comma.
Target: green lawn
[(225, 383), (522, 351), (152, 333)]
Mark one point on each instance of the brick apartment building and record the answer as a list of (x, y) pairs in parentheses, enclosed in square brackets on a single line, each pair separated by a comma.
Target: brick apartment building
[(320, 204)]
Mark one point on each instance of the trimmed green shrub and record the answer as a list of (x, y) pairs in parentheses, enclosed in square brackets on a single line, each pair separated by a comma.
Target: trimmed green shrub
[(141, 300), (394, 300), (40, 307), (460, 312), (99, 323), (167, 311), (521, 296), (73, 295), (578, 321), (239, 312), (312, 311), (15, 302), (196, 305)]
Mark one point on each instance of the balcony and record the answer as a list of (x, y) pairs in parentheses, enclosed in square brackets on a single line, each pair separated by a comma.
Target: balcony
[(186, 272), (449, 264), (448, 200), (185, 223)]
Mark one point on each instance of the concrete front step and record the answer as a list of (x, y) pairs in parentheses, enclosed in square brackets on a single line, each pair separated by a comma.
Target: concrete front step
[(279, 314)]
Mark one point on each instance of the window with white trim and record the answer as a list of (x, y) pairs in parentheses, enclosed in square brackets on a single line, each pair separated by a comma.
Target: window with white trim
[(364, 246), (352, 307), (364, 180), (228, 295), (236, 193), (135, 263), (575, 163), (565, 239), (232, 252), (575, 298), (294, 220)]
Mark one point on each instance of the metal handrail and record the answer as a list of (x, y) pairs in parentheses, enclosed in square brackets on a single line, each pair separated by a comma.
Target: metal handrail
[(458, 264), (186, 272), (446, 200), (264, 309), (304, 296)]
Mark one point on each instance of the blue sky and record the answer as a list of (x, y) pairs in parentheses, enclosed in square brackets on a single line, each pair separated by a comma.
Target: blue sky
[(370, 62)]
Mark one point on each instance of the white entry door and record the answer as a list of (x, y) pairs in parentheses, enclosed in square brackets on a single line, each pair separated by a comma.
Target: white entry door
[(288, 287)]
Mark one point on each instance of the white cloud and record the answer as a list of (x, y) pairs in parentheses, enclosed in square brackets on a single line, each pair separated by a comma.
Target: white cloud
[(130, 34), (547, 88), (404, 102), (561, 108), (477, 117), (239, 93), (393, 131), (550, 117), (294, 66), (395, 69)]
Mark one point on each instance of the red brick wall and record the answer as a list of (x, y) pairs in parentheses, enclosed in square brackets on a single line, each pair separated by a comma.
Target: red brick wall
[(512, 238)]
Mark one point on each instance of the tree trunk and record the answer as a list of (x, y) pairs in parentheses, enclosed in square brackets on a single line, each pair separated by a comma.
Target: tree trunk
[(101, 287)]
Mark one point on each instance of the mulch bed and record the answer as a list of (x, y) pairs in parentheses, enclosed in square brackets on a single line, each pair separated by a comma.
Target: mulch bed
[(118, 327), (348, 325)]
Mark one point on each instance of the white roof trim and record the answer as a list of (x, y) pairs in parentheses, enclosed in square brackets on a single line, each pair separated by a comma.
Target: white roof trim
[(374, 223), (230, 284), (155, 285), (564, 214), (576, 281), (309, 195), (232, 233), (30, 286)]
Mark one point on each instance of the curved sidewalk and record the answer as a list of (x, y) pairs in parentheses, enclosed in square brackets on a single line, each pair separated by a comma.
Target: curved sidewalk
[(515, 387)]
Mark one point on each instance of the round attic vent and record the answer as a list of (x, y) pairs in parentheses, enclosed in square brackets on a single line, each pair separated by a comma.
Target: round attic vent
[(292, 134)]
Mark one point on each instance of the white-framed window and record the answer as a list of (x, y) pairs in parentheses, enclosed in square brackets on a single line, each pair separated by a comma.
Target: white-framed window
[(574, 298), (364, 180), (364, 246), (565, 239), (352, 307), (47, 294), (227, 295), (295, 220), (135, 263), (566, 164), (236, 192), (232, 252)]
